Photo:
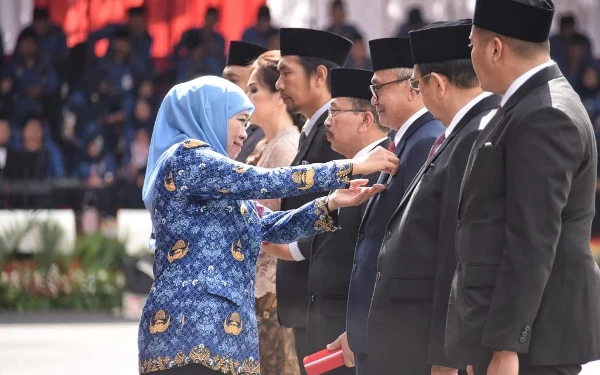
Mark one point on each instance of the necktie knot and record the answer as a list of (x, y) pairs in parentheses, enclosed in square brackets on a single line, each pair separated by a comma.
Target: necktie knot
[(392, 147)]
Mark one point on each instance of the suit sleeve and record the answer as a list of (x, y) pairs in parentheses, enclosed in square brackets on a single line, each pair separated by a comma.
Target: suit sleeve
[(543, 152), (446, 256), (417, 156)]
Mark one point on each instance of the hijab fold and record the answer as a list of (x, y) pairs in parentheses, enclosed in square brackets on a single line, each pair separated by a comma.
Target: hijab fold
[(197, 109)]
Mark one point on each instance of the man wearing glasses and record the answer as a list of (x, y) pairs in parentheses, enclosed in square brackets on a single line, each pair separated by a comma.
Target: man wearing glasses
[(416, 264), (399, 108)]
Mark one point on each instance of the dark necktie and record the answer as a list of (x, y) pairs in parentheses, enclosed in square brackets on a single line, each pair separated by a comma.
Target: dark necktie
[(436, 145), (302, 138)]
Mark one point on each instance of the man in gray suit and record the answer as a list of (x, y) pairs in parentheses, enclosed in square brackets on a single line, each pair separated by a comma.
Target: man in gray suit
[(525, 297)]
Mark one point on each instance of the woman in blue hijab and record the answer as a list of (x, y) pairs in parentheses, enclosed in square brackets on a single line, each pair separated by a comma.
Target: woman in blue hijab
[(199, 316)]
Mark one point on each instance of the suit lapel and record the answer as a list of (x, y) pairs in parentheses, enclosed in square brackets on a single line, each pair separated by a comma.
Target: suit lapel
[(308, 141)]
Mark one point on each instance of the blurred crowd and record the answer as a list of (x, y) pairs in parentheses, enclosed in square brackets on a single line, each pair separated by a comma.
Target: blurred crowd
[(84, 122)]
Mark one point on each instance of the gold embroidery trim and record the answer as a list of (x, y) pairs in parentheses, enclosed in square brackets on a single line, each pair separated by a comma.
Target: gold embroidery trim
[(169, 182), (178, 251), (193, 143), (223, 191), (201, 355), (158, 324), (241, 168), (324, 221), (344, 172), (305, 179), (233, 324), (243, 209), (236, 251)]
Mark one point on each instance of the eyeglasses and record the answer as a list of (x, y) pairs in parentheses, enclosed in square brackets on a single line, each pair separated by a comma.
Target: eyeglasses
[(414, 82), (376, 88), (332, 112)]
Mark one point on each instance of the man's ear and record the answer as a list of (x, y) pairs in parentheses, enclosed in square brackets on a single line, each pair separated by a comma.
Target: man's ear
[(321, 76)]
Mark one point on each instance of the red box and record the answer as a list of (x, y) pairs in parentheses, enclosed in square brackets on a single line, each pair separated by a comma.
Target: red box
[(323, 361)]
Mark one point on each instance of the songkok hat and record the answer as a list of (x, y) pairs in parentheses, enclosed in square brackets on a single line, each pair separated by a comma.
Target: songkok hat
[(528, 20), (314, 43), (390, 53), (441, 41), (242, 53), (351, 83)]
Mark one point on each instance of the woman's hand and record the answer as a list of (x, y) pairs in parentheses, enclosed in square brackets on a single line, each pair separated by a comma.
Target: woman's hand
[(355, 195), (378, 160)]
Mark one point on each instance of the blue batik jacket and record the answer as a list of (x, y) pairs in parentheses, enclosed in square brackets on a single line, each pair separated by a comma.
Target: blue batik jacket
[(200, 308)]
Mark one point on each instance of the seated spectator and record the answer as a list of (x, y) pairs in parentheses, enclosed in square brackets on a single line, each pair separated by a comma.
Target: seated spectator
[(590, 92), (359, 59), (41, 157), (337, 15), (578, 61), (5, 133), (559, 43), (31, 76), (213, 40), (197, 63), (137, 156), (97, 167), (414, 21), (139, 38), (260, 33), (51, 38)]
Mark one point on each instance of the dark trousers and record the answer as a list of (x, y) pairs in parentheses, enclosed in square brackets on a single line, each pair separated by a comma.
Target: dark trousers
[(539, 370), (361, 363), (190, 369), (301, 350)]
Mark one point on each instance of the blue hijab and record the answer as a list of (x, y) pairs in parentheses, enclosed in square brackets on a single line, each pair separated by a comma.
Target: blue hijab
[(197, 109)]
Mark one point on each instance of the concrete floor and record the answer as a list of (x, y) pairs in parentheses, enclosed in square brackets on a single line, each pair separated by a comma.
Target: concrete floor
[(78, 344)]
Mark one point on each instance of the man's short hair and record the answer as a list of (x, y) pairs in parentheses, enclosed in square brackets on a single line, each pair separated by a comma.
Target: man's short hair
[(460, 73), (365, 105), (310, 65), (524, 49)]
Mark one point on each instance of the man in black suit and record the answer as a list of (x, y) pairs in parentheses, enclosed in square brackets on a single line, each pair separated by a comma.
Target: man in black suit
[(525, 298), (399, 108), (307, 56), (237, 70), (416, 262)]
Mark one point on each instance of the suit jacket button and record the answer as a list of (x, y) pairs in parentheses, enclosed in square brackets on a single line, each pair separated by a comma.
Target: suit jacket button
[(312, 298), (314, 257), (354, 267), (524, 334), (360, 237), (378, 275), (458, 223), (527, 328), (388, 235), (522, 339)]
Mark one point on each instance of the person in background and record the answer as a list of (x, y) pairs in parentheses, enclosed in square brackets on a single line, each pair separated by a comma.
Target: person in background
[(307, 57), (259, 33), (51, 38), (139, 37), (339, 26), (35, 141), (359, 58), (414, 21), (560, 42), (201, 308), (197, 62), (524, 299), (578, 63), (277, 149), (399, 108), (237, 70), (212, 39), (5, 138)]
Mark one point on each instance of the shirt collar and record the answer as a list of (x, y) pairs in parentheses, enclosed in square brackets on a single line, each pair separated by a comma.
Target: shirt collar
[(522, 79), (407, 124), (310, 123), (463, 111), (367, 149)]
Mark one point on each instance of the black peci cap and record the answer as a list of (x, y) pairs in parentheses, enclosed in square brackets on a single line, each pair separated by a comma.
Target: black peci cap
[(390, 53), (351, 83), (314, 43), (528, 20), (441, 41), (242, 53)]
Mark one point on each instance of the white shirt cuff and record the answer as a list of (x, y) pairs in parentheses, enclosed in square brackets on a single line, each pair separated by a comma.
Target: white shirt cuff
[(295, 252)]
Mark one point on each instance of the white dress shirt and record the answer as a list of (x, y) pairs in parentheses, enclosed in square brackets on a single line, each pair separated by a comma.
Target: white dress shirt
[(310, 123), (402, 130), (522, 79), (294, 249), (463, 111)]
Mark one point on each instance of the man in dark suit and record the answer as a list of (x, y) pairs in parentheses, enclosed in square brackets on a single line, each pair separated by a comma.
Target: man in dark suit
[(416, 263), (525, 298), (399, 108), (307, 56), (237, 70)]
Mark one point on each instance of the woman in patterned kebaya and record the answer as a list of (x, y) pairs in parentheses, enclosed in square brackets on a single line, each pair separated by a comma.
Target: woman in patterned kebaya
[(199, 317)]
